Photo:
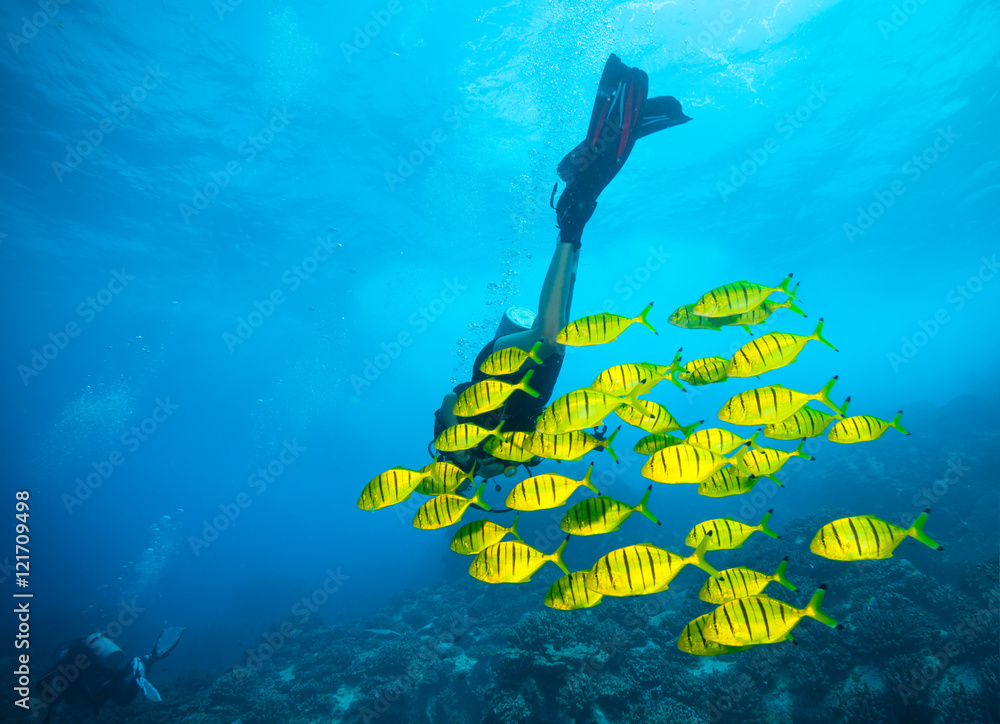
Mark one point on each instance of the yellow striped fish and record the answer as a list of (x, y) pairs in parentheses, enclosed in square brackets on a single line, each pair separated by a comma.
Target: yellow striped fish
[(488, 395), (737, 298), (593, 516), (718, 440), (656, 442), (771, 351), (864, 428), (570, 593), (742, 582), (757, 315), (582, 408), (513, 562), (807, 422), (600, 328), (764, 462), (653, 418), (867, 538), (444, 510), (704, 371), (569, 446), (692, 640), (684, 318), (726, 533), (761, 620), (513, 449), (765, 405), (726, 482), (638, 376), (686, 464), (389, 488), (545, 491), (444, 478), (508, 360), (465, 435), (641, 569), (479, 534)]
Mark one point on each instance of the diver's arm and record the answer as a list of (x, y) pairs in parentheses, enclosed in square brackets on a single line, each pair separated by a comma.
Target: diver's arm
[(553, 305)]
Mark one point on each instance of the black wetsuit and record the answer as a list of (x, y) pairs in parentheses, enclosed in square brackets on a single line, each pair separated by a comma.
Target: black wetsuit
[(521, 410)]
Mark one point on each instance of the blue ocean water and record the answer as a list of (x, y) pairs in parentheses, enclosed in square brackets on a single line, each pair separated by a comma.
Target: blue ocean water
[(246, 249)]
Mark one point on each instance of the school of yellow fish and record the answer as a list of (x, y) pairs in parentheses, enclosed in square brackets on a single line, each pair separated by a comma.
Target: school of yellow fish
[(718, 461)]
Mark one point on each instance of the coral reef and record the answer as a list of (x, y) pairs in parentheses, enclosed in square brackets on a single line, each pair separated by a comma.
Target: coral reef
[(924, 652)]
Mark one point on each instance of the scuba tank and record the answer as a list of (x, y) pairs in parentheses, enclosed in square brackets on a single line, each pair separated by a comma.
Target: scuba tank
[(104, 651), (514, 319)]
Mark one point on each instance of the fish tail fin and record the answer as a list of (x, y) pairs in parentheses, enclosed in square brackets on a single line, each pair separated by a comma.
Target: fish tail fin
[(784, 287), (812, 609), (495, 432), (774, 479), (557, 556), (698, 557), (917, 531), (478, 499), (736, 459), (843, 408), (523, 384), (644, 508), (798, 450), (792, 306), (645, 322), (633, 401), (763, 524), (824, 395), (607, 446), (688, 429), (896, 424), (818, 336), (513, 529), (779, 575), (533, 352), (586, 479), (675, 367)]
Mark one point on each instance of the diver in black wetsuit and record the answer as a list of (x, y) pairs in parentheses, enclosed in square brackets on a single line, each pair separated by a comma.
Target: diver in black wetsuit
[(622, 114), (93, 669)]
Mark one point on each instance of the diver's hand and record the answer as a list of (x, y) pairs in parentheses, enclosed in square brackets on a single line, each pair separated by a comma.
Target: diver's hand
[(490, 467)]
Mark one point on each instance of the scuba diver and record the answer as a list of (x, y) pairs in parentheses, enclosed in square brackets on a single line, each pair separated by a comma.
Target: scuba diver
[(622, 114), (94, 669)]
